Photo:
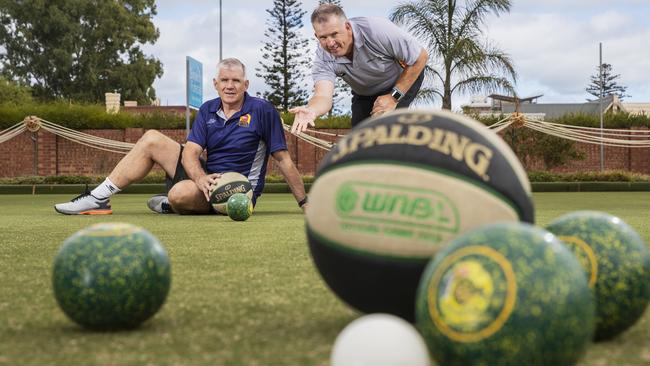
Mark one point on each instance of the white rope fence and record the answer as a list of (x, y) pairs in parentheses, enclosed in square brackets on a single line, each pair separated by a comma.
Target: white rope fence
[(12, 132), (615, 138), (312, 140), (590, 135), (502, 124), (95, 142), (327, 145)]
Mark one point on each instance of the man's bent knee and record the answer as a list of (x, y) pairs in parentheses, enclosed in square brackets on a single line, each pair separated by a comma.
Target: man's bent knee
[(154, 138), (161, 149), (186, 198)]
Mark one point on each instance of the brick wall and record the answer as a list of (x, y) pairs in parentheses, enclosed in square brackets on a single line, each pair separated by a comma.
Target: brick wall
[(58, 156), (615, 158), (17, 156)]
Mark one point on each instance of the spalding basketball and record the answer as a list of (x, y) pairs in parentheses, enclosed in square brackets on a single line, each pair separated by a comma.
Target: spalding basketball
[(228, 184), (396, 190)]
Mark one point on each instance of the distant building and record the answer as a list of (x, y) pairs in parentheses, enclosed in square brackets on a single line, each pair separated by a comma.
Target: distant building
[(113, 106), (478, 104), (501, 104), (494, 103), (143, 109), (112, 102)]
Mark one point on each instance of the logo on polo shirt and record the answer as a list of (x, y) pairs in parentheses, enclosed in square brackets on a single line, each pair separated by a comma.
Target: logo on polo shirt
[(245, 120), (212, 121)]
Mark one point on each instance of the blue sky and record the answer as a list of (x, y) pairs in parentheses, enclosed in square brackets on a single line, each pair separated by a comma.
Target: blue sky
[(553, 43)]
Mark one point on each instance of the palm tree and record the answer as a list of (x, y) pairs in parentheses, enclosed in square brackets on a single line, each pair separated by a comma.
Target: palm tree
[(452, 34)]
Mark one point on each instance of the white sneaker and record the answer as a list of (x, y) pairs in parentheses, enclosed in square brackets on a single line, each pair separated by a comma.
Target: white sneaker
[(160, 204), (85, 204)]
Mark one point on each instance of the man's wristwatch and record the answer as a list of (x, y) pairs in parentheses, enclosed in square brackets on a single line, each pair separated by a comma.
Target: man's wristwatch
[(302, 202), (397, 94)]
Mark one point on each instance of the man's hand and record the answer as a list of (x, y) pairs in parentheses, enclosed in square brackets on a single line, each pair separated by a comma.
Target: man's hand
[(304, 117), (205, 182), (383, 104)]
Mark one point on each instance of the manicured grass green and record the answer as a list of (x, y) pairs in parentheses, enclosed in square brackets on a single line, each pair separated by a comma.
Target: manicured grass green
[(243, 293)]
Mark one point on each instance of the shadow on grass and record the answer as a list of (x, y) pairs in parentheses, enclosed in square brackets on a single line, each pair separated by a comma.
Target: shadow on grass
[(74, 329), (277, 213)]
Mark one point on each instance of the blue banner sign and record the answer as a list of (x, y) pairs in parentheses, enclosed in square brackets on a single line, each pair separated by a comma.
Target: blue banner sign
[(194, 83)]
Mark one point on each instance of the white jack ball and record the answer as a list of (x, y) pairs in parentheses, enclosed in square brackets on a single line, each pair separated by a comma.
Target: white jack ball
[(379, 340)]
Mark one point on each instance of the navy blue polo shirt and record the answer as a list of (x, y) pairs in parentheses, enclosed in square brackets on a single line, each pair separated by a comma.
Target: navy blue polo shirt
[(243, 142)]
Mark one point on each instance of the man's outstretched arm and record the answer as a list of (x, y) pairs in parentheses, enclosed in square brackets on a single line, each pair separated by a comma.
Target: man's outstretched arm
[(319, 104)]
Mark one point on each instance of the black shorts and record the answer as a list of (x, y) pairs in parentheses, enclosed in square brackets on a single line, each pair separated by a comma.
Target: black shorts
[(362, 104), (180, 173)]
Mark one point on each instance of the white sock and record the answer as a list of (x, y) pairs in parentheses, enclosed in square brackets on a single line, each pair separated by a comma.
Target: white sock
[(105, 190)]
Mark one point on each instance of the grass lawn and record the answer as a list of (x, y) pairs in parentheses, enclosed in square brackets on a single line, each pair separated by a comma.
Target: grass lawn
[(243, 293)]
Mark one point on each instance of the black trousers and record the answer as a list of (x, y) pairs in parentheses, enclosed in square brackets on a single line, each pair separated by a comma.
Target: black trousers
[(180, 173), (362, 104)]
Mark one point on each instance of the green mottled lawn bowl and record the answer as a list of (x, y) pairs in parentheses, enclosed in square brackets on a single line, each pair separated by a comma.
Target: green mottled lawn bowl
[(239, 207), (111, 276), (617, 262), (505, 294)]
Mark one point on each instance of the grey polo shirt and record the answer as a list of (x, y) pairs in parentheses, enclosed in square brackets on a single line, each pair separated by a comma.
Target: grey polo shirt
[(379, 45)]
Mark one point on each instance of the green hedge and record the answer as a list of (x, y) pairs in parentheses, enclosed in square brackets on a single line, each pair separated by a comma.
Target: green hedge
[(94, 116), (618, 120), (152, 178), (159, 177), (86, 116), (341, 121), (594, 176)]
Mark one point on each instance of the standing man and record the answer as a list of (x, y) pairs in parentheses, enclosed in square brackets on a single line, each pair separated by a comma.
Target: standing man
[(238, 131), (381, 62)]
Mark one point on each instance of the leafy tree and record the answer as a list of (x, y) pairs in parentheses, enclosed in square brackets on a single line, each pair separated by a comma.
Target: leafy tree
[(608, 83), (451, 31), (11, 92), (342, 90), (80, 49), (284, 58)]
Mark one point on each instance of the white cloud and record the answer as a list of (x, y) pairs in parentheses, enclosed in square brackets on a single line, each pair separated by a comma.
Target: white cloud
[(554, 43), (558, 52), (610, 22), (198, 36), (194, 31)]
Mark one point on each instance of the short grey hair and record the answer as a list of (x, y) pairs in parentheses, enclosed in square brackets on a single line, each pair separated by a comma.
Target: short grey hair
[(230, 63), (323, 13)]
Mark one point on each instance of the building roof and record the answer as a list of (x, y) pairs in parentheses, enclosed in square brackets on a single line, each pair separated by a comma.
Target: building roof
[(513, 99), (555, 110)]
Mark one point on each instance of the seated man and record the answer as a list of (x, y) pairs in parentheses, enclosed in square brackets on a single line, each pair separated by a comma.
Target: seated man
[(238, 131)]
